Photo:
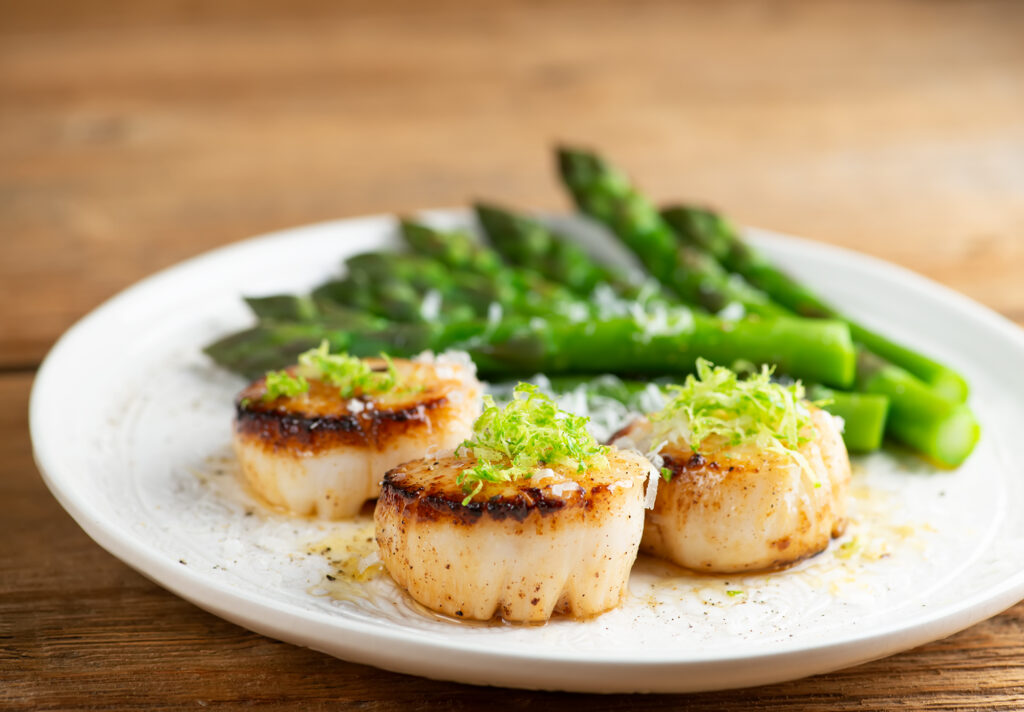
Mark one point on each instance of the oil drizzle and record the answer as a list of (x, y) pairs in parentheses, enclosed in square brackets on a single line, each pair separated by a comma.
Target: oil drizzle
[(351, 552)]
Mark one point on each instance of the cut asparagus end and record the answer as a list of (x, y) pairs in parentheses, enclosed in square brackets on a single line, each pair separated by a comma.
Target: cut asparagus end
[(950, 385), (954, 439)]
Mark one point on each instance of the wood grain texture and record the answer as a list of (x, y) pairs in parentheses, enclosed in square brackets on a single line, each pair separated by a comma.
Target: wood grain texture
[(136, 134)]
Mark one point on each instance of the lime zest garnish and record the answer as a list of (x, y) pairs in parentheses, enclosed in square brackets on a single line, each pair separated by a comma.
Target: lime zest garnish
[(734, 593), (529, 433), (716, 402), (282, 383), (351, 374), (848, 549)]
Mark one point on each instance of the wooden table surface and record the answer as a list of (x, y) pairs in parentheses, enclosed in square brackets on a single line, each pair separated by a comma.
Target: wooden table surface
[(135, 135)]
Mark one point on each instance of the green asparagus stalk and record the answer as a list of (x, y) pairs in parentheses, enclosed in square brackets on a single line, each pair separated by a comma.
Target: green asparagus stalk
[(456, 248), (390, 297), (536, 294), (460, 250), (942, 430), (355, 307), (940, 378), (713, 233), (665, 343), (463, 252), (290, 308), (271, 345), (283, 307), (408, 279), (529, 244), (864, 415), (606, 194), (398, 286)]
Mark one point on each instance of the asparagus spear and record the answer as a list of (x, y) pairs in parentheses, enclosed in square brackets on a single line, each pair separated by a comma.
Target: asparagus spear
[(942, 430), (272, 344), (388, 298), (290, 308), (864, 415), (665, 343), (529, 244), (456, 248), (606, 194), (397, 286), (408, 279), (462, 251), (713, 233), (284, 307), (538, 294)]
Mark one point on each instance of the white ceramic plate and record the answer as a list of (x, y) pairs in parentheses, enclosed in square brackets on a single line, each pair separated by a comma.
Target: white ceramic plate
[(131, 426)]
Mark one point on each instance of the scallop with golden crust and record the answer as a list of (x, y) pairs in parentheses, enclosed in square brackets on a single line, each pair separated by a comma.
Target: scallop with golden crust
[(321, 453), (745, 507), (558, 542)]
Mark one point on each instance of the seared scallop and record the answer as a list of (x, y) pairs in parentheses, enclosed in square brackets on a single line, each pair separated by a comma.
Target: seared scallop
[(746, 507), (324, 451), (560, 541)]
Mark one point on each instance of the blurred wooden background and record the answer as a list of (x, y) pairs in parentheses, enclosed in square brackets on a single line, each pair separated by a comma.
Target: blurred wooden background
[(136, 134)]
